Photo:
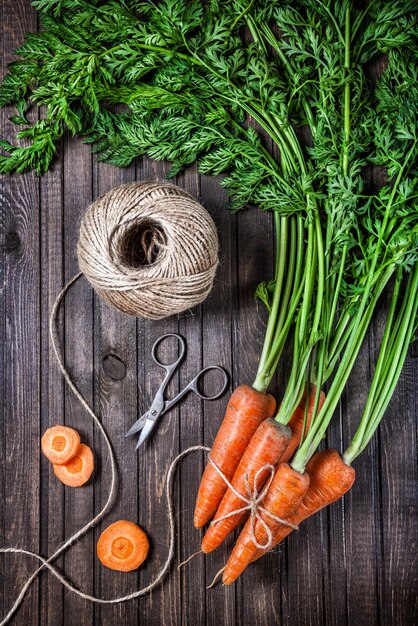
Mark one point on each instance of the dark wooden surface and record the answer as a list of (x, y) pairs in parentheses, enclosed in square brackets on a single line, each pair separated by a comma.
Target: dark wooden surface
[(353, 564)]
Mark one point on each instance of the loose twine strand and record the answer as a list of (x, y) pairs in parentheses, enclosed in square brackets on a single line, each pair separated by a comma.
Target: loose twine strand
[(46, 563), (252, 500)]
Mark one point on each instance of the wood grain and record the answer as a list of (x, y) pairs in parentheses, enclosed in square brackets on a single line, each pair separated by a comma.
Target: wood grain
[(353, 564), (116, 400), (218, 341), (20, 365), (52, 385), (79, 323)]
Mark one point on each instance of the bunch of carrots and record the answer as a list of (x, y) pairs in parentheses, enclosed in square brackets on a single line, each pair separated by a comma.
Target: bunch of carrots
[(257, 441), (250, 441)]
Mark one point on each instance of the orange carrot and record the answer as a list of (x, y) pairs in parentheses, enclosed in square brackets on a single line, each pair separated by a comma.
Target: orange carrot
[(265, 448), (60, 444), (287, 491), (330, 478), (297, 419), (78, 470), (123, 546), (246, 409)]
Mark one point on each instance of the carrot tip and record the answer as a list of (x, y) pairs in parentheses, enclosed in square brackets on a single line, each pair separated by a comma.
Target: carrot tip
[(197, 522), (227, 580), (207, 548)]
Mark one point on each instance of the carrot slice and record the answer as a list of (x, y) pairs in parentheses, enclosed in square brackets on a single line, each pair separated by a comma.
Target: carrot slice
[(265, 448), (78, 469), (246, 409), (123, 546), (60, 444), (286, 492)]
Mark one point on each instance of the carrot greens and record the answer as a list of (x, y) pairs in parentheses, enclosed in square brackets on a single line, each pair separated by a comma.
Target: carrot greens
[(188, 76), (399, 332)]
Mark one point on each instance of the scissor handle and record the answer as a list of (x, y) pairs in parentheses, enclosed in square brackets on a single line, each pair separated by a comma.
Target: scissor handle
[(169, 367), (194, 384)]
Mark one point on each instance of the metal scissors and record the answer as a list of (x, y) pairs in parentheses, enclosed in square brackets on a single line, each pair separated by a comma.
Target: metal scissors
[(146, 423)]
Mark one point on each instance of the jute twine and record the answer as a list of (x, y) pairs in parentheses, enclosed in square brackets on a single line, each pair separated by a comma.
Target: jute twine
[(46, 563), (149, 249), (252, 499)]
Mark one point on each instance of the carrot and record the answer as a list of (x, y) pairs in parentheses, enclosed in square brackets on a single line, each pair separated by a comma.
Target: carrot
[(78, 469), (249, 464), (330, 478), (246, 409), (265, 448), (122, 546), (287, 491), (60, 444), (296, 422)]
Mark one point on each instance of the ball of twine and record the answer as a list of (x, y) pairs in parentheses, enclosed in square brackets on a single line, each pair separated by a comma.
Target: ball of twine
[(149, 249)]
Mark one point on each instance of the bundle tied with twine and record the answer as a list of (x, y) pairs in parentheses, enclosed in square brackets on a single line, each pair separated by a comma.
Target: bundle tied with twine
[(149, 249)]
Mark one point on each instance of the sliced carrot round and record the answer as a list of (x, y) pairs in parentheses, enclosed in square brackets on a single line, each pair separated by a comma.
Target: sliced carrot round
[(60, 444), (78, 469), (123, 546)]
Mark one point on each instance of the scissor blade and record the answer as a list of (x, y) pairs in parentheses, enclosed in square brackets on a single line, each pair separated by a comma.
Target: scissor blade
[(145, 433), (139, 425)]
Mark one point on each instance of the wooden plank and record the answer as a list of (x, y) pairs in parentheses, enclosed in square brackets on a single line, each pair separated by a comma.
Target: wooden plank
[(305, 574), (163, 605), (4, 249), (361, 511), (255, 263), (218, 315), (20, 295), (398, 597), (78, 307), (116, 399), (278, 569), (52, 387), (334, 549), (192, 576)]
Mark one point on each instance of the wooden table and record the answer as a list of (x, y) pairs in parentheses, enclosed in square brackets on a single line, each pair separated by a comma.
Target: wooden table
[(353, 564)]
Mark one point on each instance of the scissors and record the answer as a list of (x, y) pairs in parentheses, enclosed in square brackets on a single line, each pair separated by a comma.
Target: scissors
[(146, 423)]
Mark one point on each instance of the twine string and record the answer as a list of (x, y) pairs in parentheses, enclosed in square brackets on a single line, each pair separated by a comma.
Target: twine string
[(47, 563), (149, 249), (253, 501)]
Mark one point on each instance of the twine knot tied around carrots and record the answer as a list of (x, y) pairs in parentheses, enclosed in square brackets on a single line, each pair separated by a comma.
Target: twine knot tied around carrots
[(253, 500)]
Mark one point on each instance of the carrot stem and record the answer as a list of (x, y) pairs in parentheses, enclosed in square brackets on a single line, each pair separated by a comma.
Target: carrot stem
[(320, 424), (261, 382), (392, 355), (295, 284)]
